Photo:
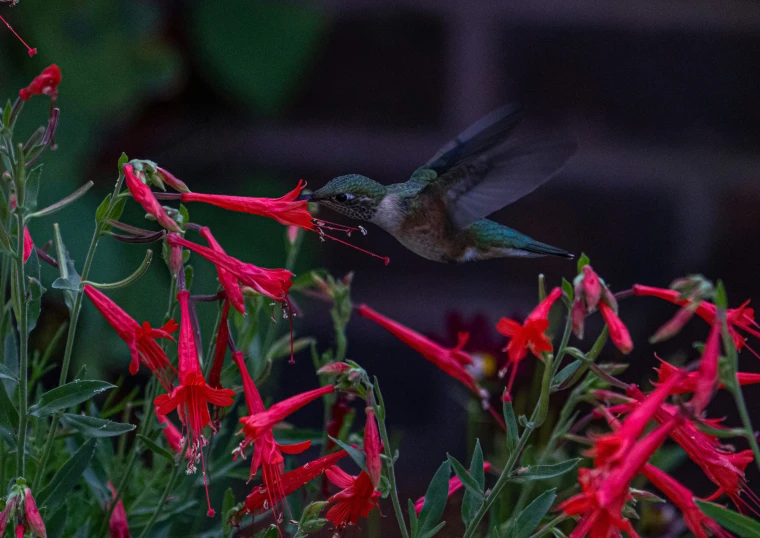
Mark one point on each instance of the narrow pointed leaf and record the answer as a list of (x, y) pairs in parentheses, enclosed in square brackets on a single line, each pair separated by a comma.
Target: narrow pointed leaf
[(472, 501), (153, 447), (511, 422), (543, 472), (58, 489), (355, 454), (432, 532), (32, 188), (730, 520), (5, 373), (467, 481), (435, 500), (412, 518), (565, 374), (68, 395), (531, 517), (96, 427)]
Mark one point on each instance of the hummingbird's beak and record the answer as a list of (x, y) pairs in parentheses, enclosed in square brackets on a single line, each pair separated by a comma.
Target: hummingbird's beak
[(306, 197)]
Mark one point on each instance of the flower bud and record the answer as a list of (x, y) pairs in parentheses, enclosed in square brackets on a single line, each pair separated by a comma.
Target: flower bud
[(172, 181), (175, 259), (33, 519), (334, 368), (592, 288), (618, 331)]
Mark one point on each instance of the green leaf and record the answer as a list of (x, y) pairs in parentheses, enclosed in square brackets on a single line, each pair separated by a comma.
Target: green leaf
[(567, 288), (271, 532), (34, 291), (583, 261), (355, 454), (69, 280), (468, 481), (512, 433), (5, 373), (56, 523), (543, 472), (228, 503), (123, 159), (8, 417), (412, 517), (153, 447), (96, 427), (472, 501), (721, 298), (7, 114), (565, 374), (59, 487), (5, 240), (102, 210), (32, 188), (435, 501), (281, 348), (432, 532), (68, 395), (730, 520), (530, 518)]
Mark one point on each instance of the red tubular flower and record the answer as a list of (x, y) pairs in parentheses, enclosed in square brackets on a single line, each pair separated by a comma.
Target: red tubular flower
[(618, 331), (140, 339), (228, 282), (285, 210), (272, 283), (737, 318), (33, 518), (220, 350), (689, 381), (528, 336), (193, 395), (455, 484), (168, 178), (260, 499), (172, 435), (267, 453), (118, 524), (372, 448), (28, 244), (451, 360), (680, 496), (357, 498), (19, 531), (605, 490), (144, 196), (257, 424), (707, 376), (46, 83)]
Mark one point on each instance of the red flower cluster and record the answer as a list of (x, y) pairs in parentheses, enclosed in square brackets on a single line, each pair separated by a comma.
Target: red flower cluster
[(46, 83)]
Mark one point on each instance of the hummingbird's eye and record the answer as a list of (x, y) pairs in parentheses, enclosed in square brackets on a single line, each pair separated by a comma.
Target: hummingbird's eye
[(343, 197)]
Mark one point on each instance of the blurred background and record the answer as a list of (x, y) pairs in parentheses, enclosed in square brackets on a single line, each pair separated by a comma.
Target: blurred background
[(246, 97)]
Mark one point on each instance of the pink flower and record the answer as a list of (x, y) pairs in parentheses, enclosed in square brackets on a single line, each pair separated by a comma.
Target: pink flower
[(618, 331), (530, 336), (144, 196), (372, 448), (46, 83), (707, 377), (118, 524), (226, 279), (357, 498), (33, 518), (28, 244)]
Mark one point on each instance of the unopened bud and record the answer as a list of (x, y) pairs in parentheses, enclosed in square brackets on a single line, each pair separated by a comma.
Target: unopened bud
[(33, 517), (334, 368)]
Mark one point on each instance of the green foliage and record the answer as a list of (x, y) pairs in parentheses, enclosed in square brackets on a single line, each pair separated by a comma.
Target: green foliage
[(737, 523), (530, 518), (68, 395), (427, 525)]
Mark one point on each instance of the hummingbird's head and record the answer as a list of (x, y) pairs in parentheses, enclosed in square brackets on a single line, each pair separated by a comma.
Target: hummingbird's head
[(353, 195)]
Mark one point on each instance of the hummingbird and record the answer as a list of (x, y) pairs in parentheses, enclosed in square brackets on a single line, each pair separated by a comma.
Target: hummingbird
[(439, 213)]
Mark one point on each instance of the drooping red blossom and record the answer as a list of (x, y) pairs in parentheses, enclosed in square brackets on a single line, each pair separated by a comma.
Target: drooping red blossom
[(192, 396), (257, 424), (357, 498), (689, 381), (742, 318), (372, 448), (5, 515), (228, 281), (683, 499), (455, 484), (530, 336), (46, 83), (220, 350), (144, 196), (285, 210), (29, 49), (272, 283), (605, 490), (141, 339), (707, 375), (33, 518), (260, 499), (169, 178), (118, 525), (724, 468), (451, 360), (618, 331), (610, 448), (173, 436), (28, 244)]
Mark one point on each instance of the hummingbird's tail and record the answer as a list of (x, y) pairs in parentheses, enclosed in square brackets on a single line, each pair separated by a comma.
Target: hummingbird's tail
[(542, 249)]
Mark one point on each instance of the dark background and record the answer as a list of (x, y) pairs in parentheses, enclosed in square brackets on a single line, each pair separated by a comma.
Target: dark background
[(247, 97)]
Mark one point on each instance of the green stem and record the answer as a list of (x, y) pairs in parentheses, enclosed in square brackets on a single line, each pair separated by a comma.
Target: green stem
[(389, 462), (549, 526), (162, 500), (749, 433), (119, 489), (19, 283), (73, 323)]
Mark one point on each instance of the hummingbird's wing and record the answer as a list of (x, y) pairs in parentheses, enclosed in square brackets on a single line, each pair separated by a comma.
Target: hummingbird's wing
[(483, 170)]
